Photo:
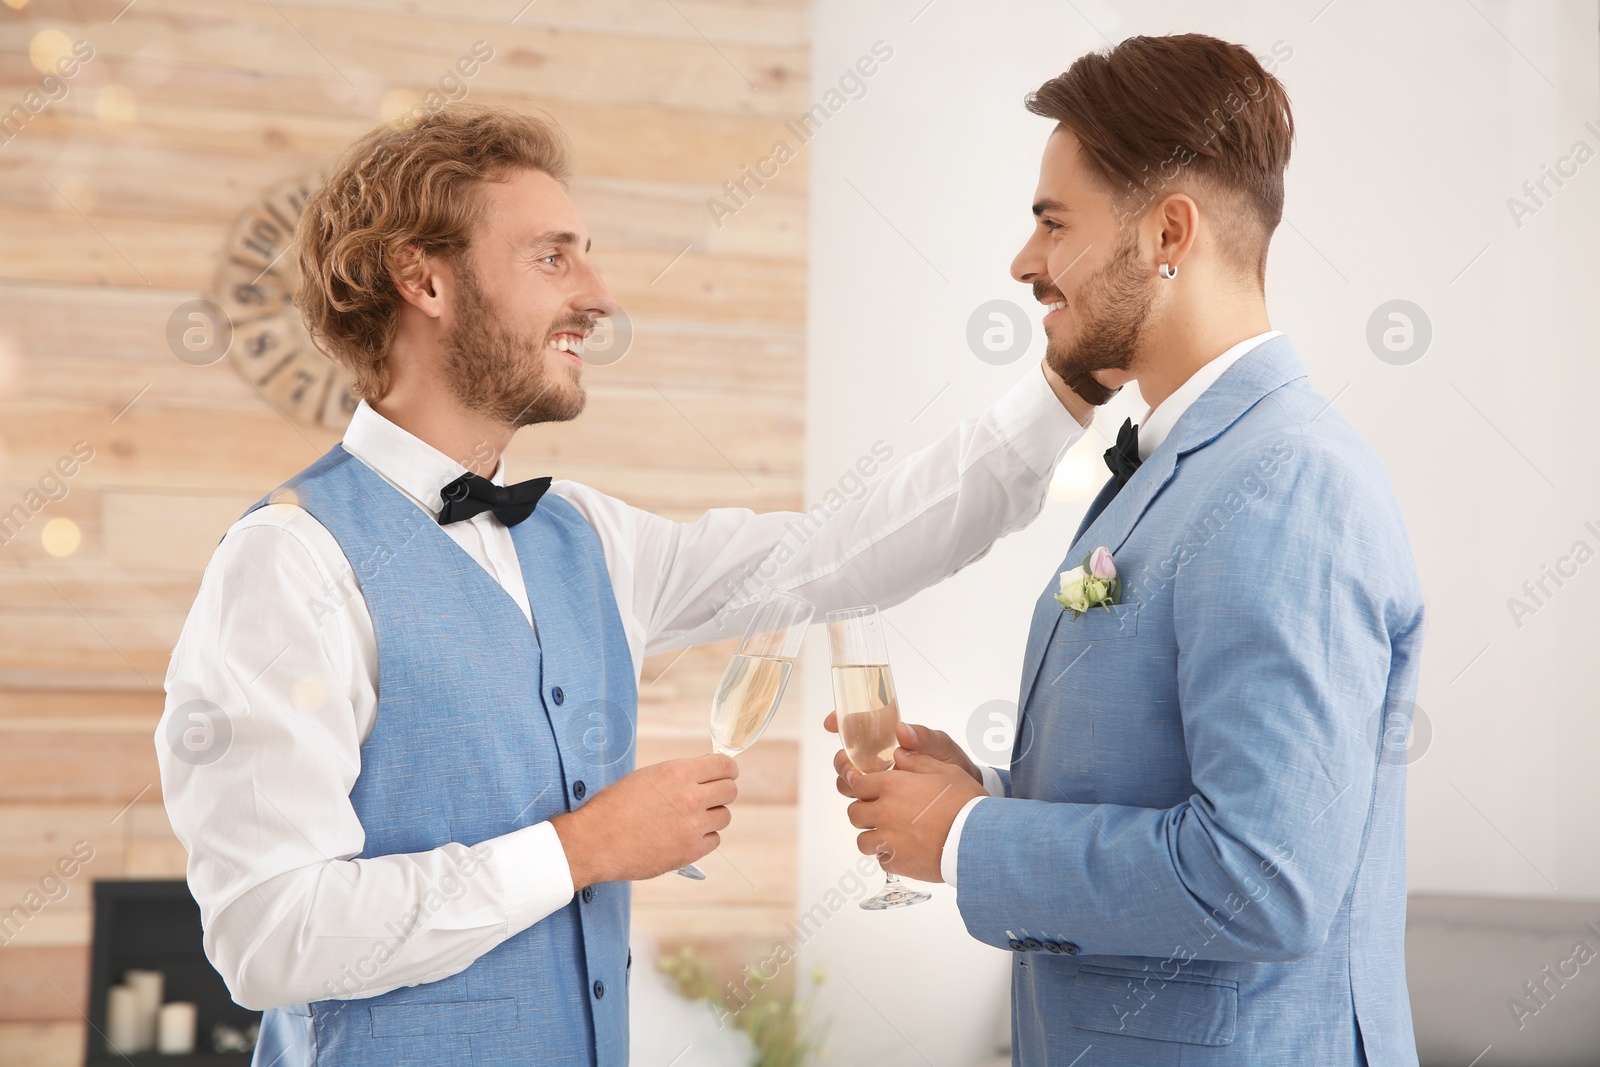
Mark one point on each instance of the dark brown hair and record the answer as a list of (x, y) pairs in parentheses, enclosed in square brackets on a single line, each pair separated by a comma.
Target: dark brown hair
[(404, 188), (1184, 113)]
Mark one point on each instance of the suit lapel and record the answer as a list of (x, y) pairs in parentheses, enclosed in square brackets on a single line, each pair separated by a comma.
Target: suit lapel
[(1102, 500), (1047, 614), (1116, 521), (1111, 519), (1105, 523)]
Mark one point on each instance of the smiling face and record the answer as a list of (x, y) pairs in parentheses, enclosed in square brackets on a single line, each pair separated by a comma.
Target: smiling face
[(1086, 264), (526, 300)]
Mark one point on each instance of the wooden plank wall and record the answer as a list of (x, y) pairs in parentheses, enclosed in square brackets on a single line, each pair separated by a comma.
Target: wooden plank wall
[(115, 202)]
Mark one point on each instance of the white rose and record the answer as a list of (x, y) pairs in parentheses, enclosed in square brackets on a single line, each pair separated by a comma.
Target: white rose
[(1070, 578), (1073, 595)]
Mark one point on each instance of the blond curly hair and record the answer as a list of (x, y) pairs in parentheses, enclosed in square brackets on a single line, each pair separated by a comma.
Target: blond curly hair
[(399, 191)]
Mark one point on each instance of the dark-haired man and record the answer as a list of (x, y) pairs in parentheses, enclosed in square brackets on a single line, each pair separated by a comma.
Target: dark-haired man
[(398, 743), (1197, 854)]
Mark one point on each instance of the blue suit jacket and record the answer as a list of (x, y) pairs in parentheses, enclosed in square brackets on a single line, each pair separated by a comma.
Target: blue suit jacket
[(1201, 858)]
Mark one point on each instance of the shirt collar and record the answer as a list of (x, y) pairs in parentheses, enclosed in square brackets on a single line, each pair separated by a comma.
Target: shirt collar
[(1160, 421), (404, 460)]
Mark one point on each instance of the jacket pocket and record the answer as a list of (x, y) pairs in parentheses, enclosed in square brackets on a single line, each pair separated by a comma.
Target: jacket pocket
[(447, 1017), (1193, 1009), (1099, 624)]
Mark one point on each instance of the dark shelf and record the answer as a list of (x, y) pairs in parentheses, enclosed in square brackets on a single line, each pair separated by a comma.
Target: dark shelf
[(155, 925)]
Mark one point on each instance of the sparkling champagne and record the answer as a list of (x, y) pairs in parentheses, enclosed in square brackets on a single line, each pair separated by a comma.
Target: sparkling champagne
[(868, 710), (746, 700)]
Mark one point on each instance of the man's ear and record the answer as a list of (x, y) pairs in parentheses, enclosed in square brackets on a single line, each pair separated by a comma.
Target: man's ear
[(420, 280), (1176, 222)]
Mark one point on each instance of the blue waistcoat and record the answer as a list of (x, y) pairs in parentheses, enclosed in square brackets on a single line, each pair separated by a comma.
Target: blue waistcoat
[(483, 726)]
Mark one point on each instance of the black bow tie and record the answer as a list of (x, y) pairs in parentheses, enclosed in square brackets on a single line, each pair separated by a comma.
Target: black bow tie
[(1123, 457), (472, 494)]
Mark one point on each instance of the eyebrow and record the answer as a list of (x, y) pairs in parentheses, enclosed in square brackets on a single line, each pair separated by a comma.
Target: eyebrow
[(561, 237), (1040, 207)]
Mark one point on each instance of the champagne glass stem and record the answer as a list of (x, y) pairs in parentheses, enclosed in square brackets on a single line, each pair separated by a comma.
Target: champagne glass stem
[(868, 714)]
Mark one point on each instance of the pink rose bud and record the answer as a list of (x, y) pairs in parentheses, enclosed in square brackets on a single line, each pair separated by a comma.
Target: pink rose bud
[(1100, 564)]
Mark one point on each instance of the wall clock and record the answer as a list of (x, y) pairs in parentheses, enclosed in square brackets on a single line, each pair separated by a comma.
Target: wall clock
[(255, 287)]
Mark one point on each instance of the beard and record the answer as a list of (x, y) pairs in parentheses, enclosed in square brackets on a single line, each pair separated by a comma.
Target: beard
[(1111, 310), (502, 374)]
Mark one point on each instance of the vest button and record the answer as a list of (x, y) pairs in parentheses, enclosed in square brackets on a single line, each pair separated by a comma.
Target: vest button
[(558, 696), (588, 894), (579, 790), (599, 990)]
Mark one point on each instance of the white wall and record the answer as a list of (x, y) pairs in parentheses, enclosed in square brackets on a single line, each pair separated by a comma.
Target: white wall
[(1416, 122)]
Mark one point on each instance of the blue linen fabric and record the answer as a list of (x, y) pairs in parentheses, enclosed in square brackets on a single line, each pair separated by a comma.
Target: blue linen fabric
[(483, 726), (1201, 856)]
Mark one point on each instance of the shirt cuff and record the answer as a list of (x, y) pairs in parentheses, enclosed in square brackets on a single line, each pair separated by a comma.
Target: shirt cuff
[(992, 782), (948, 864), (1035, 422), (533, 868)]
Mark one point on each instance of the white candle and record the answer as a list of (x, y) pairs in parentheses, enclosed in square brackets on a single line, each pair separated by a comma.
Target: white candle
[(175, 1032), (122, 1020), (146, 986)]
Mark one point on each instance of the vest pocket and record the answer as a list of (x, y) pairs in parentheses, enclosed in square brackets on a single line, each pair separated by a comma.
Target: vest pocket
[(447, 1017), (1192, 1009)]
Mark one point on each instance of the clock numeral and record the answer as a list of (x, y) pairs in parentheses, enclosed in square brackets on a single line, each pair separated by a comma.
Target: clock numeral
[(255, 284), (304, 380), (250, 293), (259, 344), (263, 238)]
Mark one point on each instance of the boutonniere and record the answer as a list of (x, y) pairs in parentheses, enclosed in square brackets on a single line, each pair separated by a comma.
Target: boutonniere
[(1094, 584)]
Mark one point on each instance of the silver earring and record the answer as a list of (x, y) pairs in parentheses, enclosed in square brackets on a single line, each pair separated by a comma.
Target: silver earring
[(1168, 271)]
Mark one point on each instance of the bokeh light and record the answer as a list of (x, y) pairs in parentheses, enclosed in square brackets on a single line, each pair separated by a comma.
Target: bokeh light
[(397, 106), (61, 537), (116, 106), (306, 694), (46, 48)]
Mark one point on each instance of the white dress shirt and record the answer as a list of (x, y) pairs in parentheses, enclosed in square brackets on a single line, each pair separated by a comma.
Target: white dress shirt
[(269, 826), (1160, 420), (1153, 429)]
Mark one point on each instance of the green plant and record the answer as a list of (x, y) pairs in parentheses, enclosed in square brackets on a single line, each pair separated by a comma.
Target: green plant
[(776, 1017)]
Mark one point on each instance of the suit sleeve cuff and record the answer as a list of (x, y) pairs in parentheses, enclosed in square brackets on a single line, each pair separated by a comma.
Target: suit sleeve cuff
[(534, 873), (948, 862)]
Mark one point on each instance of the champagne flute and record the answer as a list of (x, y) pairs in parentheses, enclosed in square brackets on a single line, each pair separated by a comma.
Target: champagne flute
[(753, 685), (869, 713)]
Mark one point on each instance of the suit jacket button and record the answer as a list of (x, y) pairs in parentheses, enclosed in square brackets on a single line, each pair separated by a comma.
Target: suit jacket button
[(1016, 945), (1055, 946), (558, 696), (579, 790), (1069, 948), (599, 990), (1033, 944), (588, 894)]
